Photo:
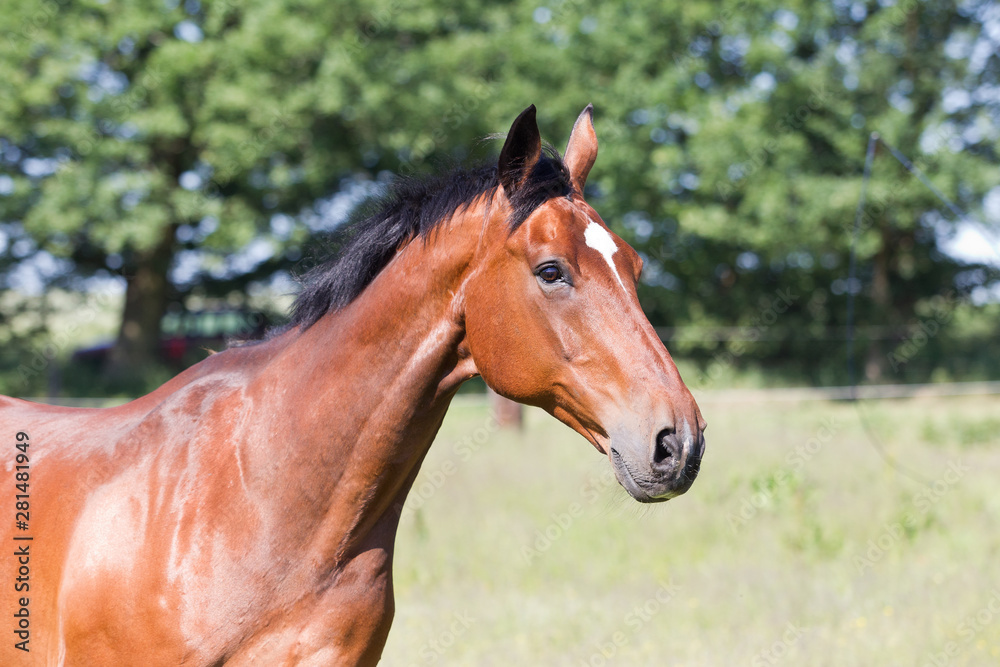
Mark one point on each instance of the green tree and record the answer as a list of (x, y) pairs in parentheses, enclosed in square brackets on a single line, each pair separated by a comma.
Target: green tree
[(133, 131)]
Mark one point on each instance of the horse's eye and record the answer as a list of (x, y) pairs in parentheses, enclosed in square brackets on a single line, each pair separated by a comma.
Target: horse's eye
[(550, 274)]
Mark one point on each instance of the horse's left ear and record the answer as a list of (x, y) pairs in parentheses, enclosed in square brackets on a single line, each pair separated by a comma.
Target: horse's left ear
[(581, 151), (521, 151)]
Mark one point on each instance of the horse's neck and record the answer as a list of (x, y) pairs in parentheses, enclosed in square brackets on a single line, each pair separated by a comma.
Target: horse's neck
[(363, 391)]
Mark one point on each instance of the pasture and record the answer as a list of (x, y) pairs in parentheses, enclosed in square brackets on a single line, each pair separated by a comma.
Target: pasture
[(797, 545)]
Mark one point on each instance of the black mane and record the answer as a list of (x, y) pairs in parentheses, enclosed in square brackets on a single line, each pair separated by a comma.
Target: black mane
[(412, 208)]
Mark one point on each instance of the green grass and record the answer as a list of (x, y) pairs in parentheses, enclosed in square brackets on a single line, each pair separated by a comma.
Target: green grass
[(798, 544)]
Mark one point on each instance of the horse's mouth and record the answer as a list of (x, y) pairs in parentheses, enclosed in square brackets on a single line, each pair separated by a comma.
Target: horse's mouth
[(627, 479)]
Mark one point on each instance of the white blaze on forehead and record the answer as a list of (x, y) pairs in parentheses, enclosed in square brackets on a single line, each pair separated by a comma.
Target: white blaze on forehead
[(599, 239)]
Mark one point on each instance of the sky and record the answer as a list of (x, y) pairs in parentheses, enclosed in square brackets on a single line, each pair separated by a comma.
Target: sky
[(978, 240)]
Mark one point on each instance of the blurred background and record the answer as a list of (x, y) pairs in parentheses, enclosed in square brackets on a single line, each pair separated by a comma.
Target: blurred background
[(169, 167), (166, 168)]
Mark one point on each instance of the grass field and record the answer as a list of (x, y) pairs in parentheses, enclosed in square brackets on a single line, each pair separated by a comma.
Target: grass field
[(797, 545)]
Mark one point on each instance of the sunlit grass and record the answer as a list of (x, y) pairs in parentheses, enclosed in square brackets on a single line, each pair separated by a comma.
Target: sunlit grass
[(798, 544)]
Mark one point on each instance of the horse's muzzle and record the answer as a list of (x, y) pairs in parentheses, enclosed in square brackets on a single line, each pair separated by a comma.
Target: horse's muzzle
[(662, 471)]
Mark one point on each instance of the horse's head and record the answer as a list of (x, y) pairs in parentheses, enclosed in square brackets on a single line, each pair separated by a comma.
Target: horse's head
[(553, 319)]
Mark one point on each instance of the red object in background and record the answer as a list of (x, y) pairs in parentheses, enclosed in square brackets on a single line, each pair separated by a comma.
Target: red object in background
[(174, 348)]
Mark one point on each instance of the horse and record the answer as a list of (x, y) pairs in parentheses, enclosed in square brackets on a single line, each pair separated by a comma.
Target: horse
[(245, 511)]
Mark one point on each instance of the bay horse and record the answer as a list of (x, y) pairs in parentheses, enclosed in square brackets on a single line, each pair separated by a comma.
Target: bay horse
[(245, 511)]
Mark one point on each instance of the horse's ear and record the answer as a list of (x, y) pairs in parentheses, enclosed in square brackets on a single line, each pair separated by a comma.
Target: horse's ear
[(581, 151), (521, 151)]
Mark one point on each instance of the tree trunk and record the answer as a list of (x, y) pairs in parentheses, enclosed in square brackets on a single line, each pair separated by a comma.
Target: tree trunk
[(146, 297), (875, 366), (508, 413)]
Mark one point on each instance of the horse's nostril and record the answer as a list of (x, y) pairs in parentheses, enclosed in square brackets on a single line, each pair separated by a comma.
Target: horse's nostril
[(661, 453), (665, 448)]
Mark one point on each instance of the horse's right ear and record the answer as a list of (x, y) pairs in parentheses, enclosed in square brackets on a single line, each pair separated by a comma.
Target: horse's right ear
[(582, 148), (521, 151)]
